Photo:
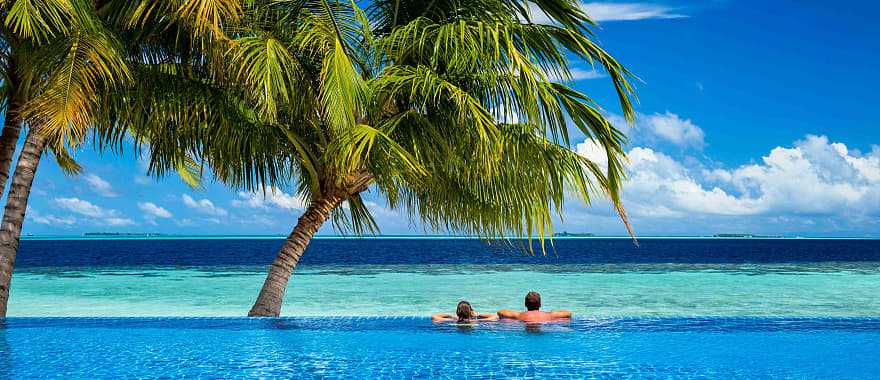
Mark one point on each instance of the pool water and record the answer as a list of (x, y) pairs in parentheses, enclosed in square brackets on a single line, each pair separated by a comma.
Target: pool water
[(404, 347)]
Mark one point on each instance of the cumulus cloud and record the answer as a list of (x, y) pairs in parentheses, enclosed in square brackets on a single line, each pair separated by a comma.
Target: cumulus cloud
[(98, 214), (272, 197), (203, 206), (142, 180), (813, 178), (661, 186), (81, 207), (667, 127), (151, 210), (606, 11), (576, 74), (594, 152), (601, 11), (99, 185), (49, 219), (118, 222), (674, 129)]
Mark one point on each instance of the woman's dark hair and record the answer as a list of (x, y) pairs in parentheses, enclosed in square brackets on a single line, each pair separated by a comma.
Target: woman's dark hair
[(464, 311)]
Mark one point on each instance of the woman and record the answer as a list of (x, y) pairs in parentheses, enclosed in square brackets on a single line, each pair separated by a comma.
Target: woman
[(464, 312)]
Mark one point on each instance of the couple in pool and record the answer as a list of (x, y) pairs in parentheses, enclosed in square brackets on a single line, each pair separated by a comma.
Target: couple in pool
[(465, 313)]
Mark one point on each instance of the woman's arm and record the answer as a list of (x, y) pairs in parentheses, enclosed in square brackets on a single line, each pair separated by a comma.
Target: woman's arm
[(442, 317), (487, 316)]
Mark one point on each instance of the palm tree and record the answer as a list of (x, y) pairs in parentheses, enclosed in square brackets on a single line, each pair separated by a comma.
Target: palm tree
[(59, 59), (22, 26), (451, 110), (72, 61)]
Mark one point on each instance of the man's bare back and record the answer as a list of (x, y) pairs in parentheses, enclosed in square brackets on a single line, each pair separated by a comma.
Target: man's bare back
[(533, 314)]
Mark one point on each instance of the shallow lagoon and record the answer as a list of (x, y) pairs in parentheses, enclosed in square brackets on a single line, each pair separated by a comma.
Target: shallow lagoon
[(804, 289)]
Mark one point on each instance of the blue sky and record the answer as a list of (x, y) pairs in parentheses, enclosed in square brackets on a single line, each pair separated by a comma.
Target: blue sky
[(753, 117)]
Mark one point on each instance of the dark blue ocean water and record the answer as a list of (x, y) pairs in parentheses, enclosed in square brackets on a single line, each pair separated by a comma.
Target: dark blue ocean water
[(246, 252)]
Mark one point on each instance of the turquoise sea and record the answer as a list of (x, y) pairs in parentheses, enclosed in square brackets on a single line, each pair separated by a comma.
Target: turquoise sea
[(416, 277), (377, 290)]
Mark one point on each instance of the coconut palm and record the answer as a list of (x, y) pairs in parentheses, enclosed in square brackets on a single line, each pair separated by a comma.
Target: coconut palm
[(454, 111), (77, 58), (23, 25), (59, 58)]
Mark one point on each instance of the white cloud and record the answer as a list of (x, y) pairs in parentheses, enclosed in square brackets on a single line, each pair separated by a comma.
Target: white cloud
[(813, 178), (118, 222), (576, 74), (271, 197), (600, 11), (580, 74), (81, 207), (676, 130), (99, 185), (151, 210), (594, 152), (49, 219), (98, 214), (604, 11), (142, 180), (203, 206), (657, 179), (668, 127)]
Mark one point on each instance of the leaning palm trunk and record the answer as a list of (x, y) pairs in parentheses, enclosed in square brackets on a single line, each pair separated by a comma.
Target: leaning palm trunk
[(8, 141), (272, 294), (11, 127), (16, 206)]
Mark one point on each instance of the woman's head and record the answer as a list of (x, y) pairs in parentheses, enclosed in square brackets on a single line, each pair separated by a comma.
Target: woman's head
[(464, 311)]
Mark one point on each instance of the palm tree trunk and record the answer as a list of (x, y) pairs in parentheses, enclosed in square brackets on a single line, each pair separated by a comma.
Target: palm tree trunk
[(16, 206), (272, 294), (8, 141), (11, 124)]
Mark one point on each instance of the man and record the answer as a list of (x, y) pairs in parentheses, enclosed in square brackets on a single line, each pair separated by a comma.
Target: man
[(464, 313), (533, 312)]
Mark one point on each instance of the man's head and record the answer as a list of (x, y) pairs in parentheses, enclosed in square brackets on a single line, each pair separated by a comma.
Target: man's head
[(464, 311), (533, 301)]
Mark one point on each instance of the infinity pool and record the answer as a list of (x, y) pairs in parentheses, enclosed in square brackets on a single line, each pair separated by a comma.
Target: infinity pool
[(330, 347)]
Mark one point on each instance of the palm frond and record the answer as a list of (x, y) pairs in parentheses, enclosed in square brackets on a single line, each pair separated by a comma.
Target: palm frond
[(39, 20), (82, 66)]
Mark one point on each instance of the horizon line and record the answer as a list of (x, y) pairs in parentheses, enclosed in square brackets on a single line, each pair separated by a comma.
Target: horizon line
[(157, 236)]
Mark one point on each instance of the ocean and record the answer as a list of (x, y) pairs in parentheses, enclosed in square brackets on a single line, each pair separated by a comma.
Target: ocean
[(414, 277)]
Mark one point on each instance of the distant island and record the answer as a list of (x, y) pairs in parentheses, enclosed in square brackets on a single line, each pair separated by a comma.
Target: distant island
[(118, 234), (752, 236), (570, 234)]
